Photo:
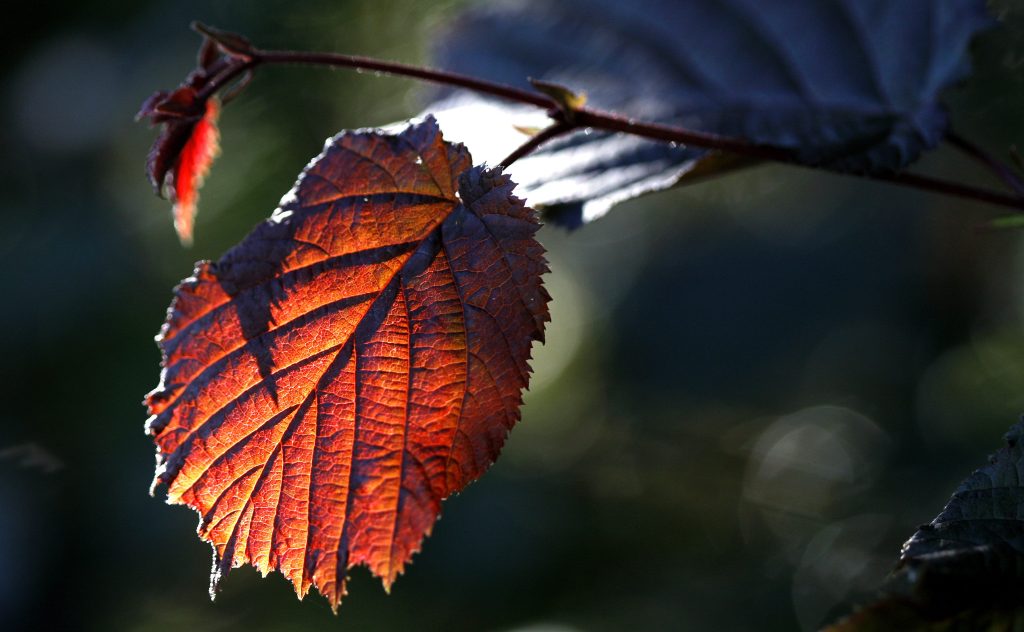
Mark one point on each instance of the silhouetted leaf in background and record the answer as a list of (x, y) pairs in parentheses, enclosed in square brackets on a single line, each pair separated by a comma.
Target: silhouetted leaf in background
[(359, 357), (964, 570), (986, 513), (853, 85)]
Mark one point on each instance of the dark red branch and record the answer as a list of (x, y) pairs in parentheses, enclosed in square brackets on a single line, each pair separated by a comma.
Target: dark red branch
[(552, 131), (607, 121), (405, 70), (946, 187), (997, 167), (597, 119)]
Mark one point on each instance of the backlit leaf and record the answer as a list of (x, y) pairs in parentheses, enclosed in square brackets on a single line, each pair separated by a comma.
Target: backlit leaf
[(194, 163), (852, 85), (359, 357), (189, 140)]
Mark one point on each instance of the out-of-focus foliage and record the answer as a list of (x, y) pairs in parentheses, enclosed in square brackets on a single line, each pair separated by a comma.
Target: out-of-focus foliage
[(985, 516), (853, 85), (964, 570)]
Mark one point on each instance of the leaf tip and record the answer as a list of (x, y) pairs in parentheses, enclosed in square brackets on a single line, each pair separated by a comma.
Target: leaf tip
[(230, 43), (215, 576)]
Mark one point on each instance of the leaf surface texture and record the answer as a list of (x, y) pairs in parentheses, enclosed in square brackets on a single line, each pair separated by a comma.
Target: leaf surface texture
[(852, 85), (359, 357)]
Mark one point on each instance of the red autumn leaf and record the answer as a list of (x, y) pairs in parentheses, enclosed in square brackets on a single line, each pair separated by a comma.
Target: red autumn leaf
[(359, 357), (183, 151), (193, 164), (188, 141)]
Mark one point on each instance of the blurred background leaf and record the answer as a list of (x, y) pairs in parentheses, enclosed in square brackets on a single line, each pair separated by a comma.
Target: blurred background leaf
[(851, 84), (964, 569)]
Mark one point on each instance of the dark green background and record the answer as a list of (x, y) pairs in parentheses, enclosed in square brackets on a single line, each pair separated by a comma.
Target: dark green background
[(755, 389)]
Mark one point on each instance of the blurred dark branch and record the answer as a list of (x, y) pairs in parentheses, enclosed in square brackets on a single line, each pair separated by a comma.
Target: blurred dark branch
[(403, 70), (565, 120), (31, 455), (997, 167)]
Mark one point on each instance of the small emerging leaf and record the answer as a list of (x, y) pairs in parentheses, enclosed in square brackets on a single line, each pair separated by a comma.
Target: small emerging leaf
[(194, 163), (1007, 222), (567, 99), (527, 130), (188, 140)]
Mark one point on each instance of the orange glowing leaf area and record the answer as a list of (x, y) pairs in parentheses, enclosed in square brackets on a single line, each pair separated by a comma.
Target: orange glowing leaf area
[(194, 163), (356, 359)]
